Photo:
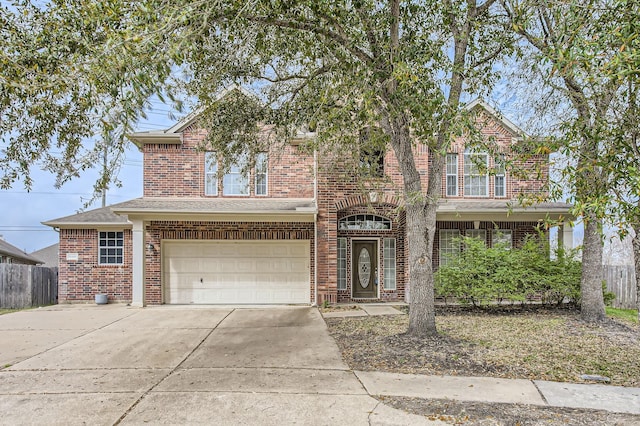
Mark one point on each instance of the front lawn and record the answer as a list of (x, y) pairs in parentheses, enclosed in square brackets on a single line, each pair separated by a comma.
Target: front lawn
[(532, 343)]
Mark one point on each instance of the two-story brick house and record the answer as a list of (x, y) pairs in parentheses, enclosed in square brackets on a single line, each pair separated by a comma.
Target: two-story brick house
[(294, 230)]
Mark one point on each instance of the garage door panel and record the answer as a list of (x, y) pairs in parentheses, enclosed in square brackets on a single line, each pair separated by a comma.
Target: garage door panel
[(236, 272)]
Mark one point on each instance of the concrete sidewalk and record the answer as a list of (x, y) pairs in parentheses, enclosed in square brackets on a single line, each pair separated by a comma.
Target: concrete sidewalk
[(615, 399)]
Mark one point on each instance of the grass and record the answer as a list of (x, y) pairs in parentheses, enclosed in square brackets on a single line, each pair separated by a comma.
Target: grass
[(543, 345), (626, 315), (8, 311)]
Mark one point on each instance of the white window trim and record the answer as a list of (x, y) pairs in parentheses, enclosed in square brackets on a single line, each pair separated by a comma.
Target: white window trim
[(384, 264), (474, 164), (208, 173), (441, 259), (499, 162), (101, 247), (343, 249), (266, 175), (447, 175), (238, 165)]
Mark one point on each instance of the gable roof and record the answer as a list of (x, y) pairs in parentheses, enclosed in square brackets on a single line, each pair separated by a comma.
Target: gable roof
[(173, 134), (12, 251), (498, 116), (102, 217)]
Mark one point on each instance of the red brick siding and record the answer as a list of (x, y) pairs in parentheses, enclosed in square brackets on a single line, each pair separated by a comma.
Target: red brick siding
[(178, 170), (80, 280), (181, 230)]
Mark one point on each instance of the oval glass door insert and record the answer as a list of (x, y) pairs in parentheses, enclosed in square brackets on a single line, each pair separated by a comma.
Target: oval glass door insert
[(364, 267)]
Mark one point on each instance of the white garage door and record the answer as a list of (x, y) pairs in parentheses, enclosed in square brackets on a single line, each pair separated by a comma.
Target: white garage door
[(236, 272)]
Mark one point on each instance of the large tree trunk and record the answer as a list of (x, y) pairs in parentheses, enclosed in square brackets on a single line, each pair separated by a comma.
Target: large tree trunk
[(636, 261), (421, 219), (592, 301)]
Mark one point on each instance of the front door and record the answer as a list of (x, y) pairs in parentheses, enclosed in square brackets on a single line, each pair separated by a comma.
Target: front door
[(364, 277)]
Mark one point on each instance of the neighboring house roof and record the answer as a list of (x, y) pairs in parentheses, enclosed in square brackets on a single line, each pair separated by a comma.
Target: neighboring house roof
[(14, 252), (103, 217), (49, 255)]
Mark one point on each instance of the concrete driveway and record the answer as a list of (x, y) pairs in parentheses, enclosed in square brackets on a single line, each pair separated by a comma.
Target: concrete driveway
[(86, 364)]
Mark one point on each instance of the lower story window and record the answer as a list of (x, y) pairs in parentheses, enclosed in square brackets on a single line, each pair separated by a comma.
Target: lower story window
[(389, 254), (449, 244), (502, 237), (342, 263), (110, 248)]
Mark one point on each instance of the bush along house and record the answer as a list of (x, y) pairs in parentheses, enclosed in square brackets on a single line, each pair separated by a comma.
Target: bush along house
[(290, 231)]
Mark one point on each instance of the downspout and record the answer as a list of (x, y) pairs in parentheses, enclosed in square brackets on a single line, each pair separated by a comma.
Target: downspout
[(315, 228)]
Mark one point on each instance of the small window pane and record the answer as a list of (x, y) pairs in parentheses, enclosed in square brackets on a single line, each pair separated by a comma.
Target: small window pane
[(452, 175), (262, 166), (499, 178), (210, 173), (342, 263), (389, 254)]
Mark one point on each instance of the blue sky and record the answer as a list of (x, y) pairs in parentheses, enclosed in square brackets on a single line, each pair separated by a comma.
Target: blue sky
[(22, 212)]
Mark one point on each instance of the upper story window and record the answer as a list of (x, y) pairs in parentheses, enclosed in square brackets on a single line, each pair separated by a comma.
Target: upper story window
[(210, 173), (364, 222), (111, 248), (476, 176), (261, 175), (500, 187), (452, 175), (372, 152), (236, 182)]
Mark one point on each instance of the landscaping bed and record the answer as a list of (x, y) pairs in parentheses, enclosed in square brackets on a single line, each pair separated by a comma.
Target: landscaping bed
[(530, 342)]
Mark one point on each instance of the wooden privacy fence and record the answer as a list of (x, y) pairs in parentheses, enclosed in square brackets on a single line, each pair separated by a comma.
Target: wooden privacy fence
[(621, 281), (24, 286)]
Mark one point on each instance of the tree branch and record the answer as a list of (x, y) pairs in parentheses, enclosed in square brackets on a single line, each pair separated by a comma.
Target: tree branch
[(308, 26)]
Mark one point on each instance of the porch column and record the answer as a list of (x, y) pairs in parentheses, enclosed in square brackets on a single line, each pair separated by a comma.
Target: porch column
[(137, 291), (565, 236)]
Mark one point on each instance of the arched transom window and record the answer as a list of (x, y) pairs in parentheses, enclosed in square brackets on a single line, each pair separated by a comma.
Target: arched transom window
[(364, 222)]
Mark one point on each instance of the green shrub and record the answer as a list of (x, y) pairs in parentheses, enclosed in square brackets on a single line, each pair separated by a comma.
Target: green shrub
[(481, 275)]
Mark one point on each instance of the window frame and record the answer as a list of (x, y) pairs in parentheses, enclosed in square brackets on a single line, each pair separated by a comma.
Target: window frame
[(454, 184), (342, 263), (235, 172), (500, 173), (261, 169), (473, 178), (208, 174), (389, 264), (442, 249), (103, 244), (497, 232)]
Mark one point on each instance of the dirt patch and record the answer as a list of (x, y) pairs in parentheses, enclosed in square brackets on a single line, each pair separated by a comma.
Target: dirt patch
[(485, 414)]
